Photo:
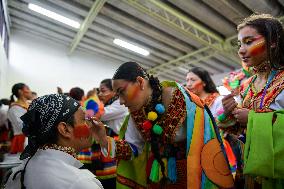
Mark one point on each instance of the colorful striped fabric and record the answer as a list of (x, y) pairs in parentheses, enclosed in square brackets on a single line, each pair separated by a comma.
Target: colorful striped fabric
[(94, 160), (200, 130)]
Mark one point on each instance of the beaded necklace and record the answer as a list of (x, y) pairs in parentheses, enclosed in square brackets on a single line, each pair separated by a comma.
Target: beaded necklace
[(69, 150), (255, 92)]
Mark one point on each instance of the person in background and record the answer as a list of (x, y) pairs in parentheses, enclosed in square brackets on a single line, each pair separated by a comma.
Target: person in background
[(260, 113), (113, 116), (5, 101), (78, 94), (114, 112), (18, 107), (200, 83), (4, 127), (34, 95), (57, 129)]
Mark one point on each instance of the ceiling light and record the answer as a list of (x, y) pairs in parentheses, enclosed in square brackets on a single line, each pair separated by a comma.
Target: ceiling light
[(54, 15), (131, 47)]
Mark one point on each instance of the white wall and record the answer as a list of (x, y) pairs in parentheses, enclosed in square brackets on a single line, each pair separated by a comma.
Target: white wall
[(44, 65), (3, 69)]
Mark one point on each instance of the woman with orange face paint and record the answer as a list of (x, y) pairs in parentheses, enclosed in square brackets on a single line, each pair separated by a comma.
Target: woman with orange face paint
[(260, 115), (57, 130), (200, 83), (17, 108), (168, 140)]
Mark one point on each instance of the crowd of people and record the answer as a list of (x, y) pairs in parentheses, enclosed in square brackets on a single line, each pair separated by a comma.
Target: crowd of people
[(134, 131)]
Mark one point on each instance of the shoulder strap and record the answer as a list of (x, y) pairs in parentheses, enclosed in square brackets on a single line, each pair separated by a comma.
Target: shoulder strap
[(123, 127)]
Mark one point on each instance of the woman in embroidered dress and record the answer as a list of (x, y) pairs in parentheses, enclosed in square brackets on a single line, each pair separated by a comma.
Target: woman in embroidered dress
[(57, 129), (18, 108), (261, 46), (167, 140)]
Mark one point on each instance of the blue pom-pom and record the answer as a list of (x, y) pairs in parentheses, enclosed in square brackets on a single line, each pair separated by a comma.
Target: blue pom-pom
[(160, 108)]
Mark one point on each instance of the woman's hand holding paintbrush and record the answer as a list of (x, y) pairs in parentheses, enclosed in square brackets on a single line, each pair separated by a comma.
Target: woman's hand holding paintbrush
[(98, 131)]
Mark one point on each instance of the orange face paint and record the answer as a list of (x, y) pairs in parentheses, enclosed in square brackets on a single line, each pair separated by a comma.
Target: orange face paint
[(198, 86), (82, 131), (132, 92), (257, 48)]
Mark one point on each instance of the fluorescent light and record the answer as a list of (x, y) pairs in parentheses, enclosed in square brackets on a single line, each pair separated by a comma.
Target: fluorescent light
[(54, 15), (131, 47)]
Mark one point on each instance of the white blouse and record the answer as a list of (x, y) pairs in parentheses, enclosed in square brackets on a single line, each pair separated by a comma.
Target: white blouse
[(278, 102), (114, 115), (53, 169), (14, 114)]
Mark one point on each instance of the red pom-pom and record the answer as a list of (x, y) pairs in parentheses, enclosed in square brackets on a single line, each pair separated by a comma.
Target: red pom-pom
[(147, 125)]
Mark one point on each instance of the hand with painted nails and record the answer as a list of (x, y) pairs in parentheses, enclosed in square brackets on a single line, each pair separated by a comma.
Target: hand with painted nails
[(229, 104), (241, 115), (98, 131)]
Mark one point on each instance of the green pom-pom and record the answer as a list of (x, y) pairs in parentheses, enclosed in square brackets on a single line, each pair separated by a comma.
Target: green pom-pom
[(157, 129)]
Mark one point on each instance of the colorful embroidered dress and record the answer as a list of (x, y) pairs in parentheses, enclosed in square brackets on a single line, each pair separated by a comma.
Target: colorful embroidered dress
[(187, 128), (260, 133)]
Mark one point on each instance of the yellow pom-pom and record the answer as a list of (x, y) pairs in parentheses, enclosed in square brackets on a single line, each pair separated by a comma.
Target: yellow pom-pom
[(152, 116)]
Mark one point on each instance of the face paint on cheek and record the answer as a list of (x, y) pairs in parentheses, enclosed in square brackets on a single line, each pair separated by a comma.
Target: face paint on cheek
[(82, 131), (198, 86), (132, 92), (257, 49)]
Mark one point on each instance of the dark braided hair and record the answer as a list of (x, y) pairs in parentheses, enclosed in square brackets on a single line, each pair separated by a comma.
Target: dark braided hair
[(210, 86), (129, 71), (272, 30), (15, 90)]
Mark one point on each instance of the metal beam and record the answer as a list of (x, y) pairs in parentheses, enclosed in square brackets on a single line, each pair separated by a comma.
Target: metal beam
[(174, 19), (167, 71), (6, 15), (190, 58), (98, 4), (178, 21)]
